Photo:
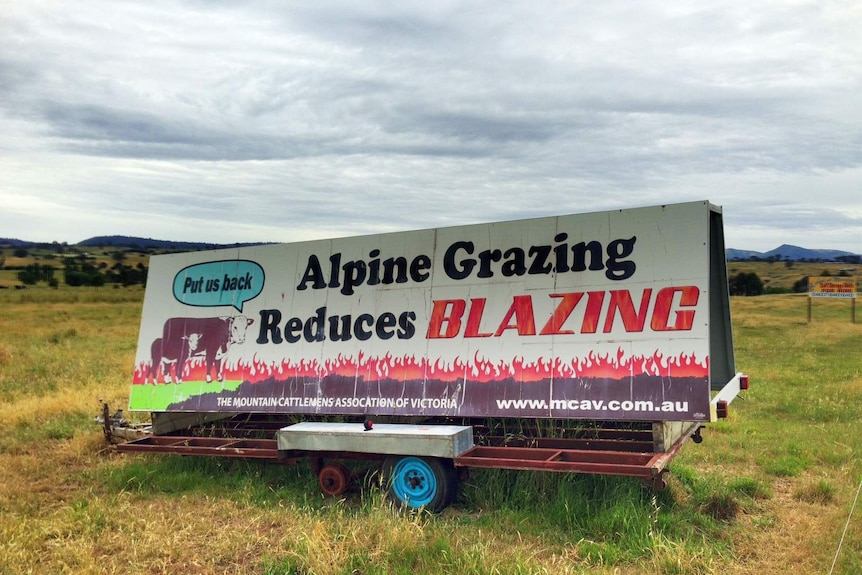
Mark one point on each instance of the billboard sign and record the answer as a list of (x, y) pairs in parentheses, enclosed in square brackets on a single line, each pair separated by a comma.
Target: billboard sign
[(834, 287), (594, 316)]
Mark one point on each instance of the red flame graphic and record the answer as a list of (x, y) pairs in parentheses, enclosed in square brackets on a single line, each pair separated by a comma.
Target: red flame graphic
[(411, 368)]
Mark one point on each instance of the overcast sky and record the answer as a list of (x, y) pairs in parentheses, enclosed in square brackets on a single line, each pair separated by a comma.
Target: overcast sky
[(281, 121)]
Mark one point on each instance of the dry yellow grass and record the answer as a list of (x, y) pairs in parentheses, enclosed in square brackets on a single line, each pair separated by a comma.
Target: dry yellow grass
[(64, 510), (814, 376), (63, 523)]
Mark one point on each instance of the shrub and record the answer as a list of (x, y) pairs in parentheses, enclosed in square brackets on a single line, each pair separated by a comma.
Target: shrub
[(746, 284)]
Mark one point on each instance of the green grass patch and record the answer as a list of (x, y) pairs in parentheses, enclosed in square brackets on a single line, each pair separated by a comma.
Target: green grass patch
[(749, 487), (718, 497), (822, 492), (56, 427), (249, 482), (60, 336), (786, 466), (59, 429)]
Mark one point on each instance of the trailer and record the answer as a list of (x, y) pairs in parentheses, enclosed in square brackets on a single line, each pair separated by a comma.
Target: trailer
[(583, 343)]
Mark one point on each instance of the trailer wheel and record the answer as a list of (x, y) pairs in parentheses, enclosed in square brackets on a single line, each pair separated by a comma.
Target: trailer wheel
[(659, 483), (415, 482), (334, 479)]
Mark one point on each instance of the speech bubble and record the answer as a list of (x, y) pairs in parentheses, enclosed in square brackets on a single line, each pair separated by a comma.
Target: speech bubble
[(219, 283)]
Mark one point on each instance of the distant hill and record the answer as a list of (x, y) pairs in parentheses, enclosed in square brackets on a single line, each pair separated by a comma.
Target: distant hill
[(787, 252), (14, 243), (131, 242), (145, 243), (734, 254), (796, 253)]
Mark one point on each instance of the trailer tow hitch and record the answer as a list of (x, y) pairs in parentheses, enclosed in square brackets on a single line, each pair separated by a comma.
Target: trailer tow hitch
[(117, 428)]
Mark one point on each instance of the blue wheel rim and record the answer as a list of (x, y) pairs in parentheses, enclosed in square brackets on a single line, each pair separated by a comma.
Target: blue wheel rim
[(414, 482)]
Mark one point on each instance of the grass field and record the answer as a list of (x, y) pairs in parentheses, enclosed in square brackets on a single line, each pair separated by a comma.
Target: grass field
[(768, 491)]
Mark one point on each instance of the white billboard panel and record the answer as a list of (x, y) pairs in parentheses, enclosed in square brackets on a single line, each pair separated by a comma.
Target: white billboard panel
[(601, 316)]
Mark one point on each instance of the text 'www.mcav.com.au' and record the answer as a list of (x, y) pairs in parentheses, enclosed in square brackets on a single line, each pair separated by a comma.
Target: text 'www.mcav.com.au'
[(593, 405)]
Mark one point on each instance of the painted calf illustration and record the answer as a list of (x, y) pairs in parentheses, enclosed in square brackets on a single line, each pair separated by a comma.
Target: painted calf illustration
[(184, 337)]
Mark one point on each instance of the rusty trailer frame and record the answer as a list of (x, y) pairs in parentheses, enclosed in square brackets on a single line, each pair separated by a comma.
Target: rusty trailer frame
[(612, 452), (209, 446)]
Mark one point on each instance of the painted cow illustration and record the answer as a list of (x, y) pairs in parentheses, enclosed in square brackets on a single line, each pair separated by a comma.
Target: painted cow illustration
[(185, 337)]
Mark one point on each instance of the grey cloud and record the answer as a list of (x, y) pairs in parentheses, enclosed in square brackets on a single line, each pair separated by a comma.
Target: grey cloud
[(356, 117), (796, 217), (102, 124)]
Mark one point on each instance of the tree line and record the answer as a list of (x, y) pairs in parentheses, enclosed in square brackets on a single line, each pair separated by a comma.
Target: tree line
[(80, 270), (750, 284), (86, 274)]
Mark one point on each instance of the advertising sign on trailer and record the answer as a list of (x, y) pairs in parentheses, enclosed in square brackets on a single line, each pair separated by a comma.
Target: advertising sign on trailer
[(591, 316)]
